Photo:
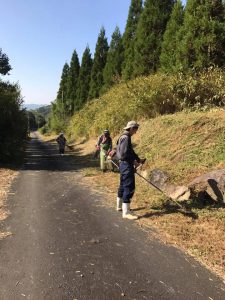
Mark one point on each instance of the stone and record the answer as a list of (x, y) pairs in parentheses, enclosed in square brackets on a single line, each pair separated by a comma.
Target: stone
[(207, 186), (211, 184), (160, 179)]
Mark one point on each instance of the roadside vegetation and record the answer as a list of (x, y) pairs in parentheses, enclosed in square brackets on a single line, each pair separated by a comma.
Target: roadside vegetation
[(165, 71), (149, 97), (38, 118), (13, 133), (7, 175), (13, 121)]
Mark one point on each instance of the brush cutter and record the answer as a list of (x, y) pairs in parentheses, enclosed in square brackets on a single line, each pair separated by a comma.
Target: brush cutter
[(182, 208)]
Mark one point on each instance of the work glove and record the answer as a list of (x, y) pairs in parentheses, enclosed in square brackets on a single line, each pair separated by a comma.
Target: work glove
[(136, 165), (139, 164), (142, 161)]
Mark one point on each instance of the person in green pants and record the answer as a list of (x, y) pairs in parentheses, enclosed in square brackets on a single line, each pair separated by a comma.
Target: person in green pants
[(105, 145)]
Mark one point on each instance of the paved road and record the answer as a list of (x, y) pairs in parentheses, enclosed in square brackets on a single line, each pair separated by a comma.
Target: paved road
[(66, 245)]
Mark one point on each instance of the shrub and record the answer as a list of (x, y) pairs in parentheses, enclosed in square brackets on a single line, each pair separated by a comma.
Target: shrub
[(148, 97), (13, 122)]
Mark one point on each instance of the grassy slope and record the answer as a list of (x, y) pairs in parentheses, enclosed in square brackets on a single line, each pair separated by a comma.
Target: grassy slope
[(148, 97), (186, 145)]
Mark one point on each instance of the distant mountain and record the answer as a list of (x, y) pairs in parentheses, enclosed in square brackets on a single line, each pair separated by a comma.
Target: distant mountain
[(44, 110), (33, 106)]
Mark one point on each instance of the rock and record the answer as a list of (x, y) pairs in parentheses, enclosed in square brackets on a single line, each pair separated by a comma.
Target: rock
[(156, 177), (211, 185), (179, 193), (160, 179)]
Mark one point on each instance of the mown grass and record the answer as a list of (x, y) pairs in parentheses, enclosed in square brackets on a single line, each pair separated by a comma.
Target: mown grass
[(186, 144), (7, 175)]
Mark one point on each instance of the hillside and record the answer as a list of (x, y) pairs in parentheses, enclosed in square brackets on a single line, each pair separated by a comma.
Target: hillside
[(32, 106), (181, 116), (148, 97), (182, 123), (185, 144), (44, 110)]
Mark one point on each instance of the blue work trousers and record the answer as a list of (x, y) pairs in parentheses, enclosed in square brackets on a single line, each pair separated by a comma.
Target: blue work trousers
[(127, 181)]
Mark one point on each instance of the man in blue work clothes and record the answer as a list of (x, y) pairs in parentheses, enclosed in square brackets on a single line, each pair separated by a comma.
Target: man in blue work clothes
[(129, 160)]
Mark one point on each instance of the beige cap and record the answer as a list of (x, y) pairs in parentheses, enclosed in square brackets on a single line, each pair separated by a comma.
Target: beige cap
[(131, 124)]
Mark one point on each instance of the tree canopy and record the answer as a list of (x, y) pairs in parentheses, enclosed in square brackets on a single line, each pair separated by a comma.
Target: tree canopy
[(129, 37), (99, 62), (13, 122), (84, 78), (149, 35), (4, 63), (202, 36), (73, 76), (170, 39), (115, 56)]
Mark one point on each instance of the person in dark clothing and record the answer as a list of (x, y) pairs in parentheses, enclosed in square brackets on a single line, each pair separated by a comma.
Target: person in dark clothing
[(128, 161), (61, 140), (104, 145)]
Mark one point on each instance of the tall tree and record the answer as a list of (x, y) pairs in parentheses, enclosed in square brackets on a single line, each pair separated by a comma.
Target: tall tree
[(62, 95), (150, 30), (114, 60), (99, 62), (170, 40), (129, 37), (202, 36), (73, 80), (84, 79), (13, 121), (4, 63)]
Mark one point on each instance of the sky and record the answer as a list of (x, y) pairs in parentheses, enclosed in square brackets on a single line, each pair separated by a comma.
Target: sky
[(39, 37)]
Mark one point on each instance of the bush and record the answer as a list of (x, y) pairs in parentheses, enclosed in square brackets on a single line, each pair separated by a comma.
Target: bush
[(44, 130), (147, 97), (13, 122), (203, 90)]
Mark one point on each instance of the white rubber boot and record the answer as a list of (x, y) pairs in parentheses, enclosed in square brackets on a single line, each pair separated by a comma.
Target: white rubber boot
[(119, 204), (127, 214)]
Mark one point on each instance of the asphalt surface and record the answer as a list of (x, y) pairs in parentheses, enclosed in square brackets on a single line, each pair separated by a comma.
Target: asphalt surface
[(66, 244)]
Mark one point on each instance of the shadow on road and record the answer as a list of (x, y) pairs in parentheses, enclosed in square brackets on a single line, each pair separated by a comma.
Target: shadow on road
[(41, 155), (189, 214)]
